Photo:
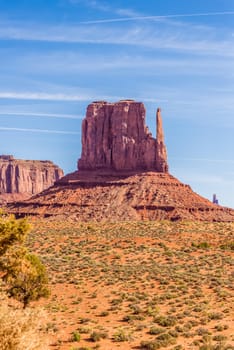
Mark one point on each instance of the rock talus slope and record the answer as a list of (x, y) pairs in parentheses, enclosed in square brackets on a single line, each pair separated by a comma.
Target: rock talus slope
[(142, 196)]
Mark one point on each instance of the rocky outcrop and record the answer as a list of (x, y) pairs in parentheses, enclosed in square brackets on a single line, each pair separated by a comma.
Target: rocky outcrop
[(115, 138), (26, 177)]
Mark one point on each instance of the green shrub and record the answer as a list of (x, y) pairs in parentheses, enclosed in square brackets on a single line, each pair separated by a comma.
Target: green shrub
[(121, 335), (165, 321), (156, 330), (23, 273), (75, 336)]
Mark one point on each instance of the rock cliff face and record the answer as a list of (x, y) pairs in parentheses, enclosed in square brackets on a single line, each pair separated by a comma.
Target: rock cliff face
[(26, 177), (115, 138)]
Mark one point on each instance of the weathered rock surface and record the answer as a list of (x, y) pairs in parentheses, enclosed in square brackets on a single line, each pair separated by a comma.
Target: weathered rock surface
[(20, 179), (115, 137)]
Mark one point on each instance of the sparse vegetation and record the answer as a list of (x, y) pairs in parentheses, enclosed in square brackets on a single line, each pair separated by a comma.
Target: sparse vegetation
[(149, 285)]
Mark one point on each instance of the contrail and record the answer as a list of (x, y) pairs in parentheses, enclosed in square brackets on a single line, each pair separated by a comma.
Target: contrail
[(141, 18), (47, 115), (41, 131)]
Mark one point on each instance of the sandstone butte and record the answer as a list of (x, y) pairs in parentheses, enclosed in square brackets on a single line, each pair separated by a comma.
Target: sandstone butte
[(20, 179), (122, 175)]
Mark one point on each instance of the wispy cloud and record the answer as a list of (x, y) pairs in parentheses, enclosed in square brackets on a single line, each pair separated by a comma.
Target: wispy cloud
[(189, 38), (132, 15), (154, 18), (44, 115), (97, 5), (62, 97), (43, 96), (104, 7), (72, 62), (57, 97), (47, 131)]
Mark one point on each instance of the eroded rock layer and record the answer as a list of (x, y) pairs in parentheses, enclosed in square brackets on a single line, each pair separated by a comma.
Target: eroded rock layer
[(20, 179)]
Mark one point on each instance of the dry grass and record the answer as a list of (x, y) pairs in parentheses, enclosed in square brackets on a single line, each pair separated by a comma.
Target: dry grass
[(138, 285), (21, 329)]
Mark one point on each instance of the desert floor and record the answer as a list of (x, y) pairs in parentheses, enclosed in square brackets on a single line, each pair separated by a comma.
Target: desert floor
[(138, 285)]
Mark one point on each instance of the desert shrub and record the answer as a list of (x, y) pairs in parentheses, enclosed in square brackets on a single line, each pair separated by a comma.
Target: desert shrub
[(104, 313), (227, 246), (84, 330), (163, 340), (75, 336), (12, 232), (21, 329), (156, 330), (165, 321), (23, 273), (96, 336), (26, 279), (149, 345), (121, 335), (215, 316), (201, 245)]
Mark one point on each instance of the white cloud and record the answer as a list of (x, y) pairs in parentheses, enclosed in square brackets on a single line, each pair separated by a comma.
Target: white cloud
[(57, 97), (46, 115), (104, 7), (68, 61), (43, 96), (63, 97), (189, 38), (47, 131)]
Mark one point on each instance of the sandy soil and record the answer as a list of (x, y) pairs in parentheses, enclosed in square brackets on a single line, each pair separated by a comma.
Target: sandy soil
[(117, 285)]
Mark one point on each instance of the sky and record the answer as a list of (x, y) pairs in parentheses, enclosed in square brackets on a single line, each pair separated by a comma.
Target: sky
[(58, 56)]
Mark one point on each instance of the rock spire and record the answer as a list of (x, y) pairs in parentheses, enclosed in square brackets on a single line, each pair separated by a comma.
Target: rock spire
[(115, 138), (161, 154)]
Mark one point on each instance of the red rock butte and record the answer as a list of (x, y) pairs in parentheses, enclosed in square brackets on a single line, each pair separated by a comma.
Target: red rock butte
[(122, 175), (115, 137)]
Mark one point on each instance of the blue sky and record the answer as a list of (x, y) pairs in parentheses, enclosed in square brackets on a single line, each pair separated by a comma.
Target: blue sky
[(57, 56)]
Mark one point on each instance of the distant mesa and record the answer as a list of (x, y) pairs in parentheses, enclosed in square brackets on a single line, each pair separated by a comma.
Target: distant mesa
[(122, 175), (20, 179)]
